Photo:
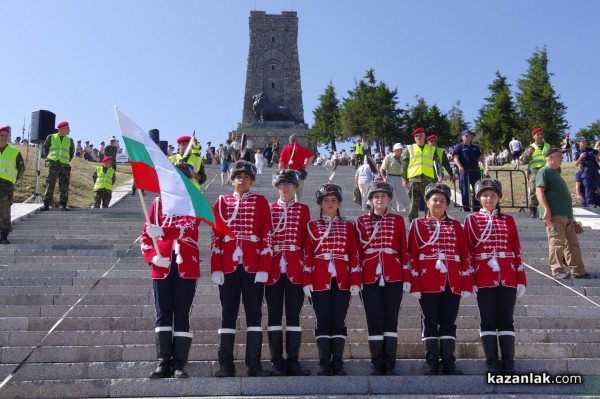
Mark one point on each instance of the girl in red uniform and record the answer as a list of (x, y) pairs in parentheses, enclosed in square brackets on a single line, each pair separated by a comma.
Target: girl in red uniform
[(284, 285), (499, 274), (175, 274), (331, 274), (441, 274), (382, 239)]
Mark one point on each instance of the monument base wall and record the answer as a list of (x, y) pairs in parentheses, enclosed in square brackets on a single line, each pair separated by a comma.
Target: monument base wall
[(262, 133)]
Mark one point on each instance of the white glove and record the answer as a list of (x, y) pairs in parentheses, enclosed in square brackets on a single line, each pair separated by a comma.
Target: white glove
[(465, 294), (307, 290), (261, 277), (406, 288), (154, 231), (354, 290), (520, 290), (218, 277), (475, 289), (160, 261), (416, 294)]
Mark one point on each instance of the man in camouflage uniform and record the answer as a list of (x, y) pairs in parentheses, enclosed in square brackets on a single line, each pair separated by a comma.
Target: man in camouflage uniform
[(104, 178), (418, 170), (12, 168), (59, 150), (275, 156), (111, 151)]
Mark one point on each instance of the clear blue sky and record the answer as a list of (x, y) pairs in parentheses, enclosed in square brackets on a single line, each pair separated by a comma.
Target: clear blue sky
[(180, 65)]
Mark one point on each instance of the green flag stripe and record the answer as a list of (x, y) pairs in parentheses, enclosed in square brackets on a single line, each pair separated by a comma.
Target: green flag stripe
[(137, 151)]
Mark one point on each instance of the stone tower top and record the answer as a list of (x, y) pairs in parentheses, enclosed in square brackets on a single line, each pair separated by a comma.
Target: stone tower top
[(273, 64)]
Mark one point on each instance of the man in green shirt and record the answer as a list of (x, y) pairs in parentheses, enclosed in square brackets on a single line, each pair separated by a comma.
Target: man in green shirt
[(554, 197)]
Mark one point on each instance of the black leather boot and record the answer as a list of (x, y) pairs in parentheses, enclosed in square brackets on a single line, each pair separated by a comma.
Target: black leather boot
[(253, 354), (447, 347), (292, 347), (4, 238), (376, 350), (337, 354), (390, 347), (432, 356), (324, 348), (276, 350), (181, 351), (490, 348), (226, 366), (164, 350), (507, 349)]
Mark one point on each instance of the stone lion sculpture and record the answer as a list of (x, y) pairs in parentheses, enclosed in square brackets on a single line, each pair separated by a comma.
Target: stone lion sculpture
[(265, 110)]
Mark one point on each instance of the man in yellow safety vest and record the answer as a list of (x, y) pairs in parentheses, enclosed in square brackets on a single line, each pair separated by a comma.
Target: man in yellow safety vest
[(59, 150), (104, 177), (12, 168)]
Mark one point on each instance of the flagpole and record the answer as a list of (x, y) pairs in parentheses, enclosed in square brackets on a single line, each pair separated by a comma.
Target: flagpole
[(148, 223)]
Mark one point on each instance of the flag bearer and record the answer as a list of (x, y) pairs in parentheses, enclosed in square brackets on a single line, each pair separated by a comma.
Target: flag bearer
[(241, 266), (175, 273), (285, 280)]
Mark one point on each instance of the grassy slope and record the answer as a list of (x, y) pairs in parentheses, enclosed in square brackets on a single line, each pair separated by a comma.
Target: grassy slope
[(81, 189)]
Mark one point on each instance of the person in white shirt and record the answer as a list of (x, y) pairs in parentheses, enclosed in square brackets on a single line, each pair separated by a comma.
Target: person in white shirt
[(362, 179), (260, 161), (515, 147)]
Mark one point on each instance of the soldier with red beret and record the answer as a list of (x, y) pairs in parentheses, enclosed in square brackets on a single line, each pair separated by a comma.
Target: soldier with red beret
[(241, 267), (194, 159), (59, 149), (441, 153), (12, 168), (418, 169), (535, 156), (104, 177)]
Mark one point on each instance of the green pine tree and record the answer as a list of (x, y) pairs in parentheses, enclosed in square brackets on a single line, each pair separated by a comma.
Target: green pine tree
[(538, 102), (498, 120), (326, 128)]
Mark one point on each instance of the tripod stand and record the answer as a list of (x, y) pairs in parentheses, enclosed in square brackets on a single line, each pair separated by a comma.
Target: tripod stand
[(36, 196)]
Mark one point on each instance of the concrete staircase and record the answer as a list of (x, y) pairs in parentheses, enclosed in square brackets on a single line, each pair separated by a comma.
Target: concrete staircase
[(86, 262)]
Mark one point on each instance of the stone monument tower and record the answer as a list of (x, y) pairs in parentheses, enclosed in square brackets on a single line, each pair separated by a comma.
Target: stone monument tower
[(273, 96)]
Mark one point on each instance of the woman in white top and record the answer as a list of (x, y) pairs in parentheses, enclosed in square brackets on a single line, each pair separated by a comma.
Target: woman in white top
[(362, 179), (259, 161)]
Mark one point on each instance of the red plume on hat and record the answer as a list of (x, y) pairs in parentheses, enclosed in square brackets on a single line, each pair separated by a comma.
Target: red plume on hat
[(417, 131), (536, 131)]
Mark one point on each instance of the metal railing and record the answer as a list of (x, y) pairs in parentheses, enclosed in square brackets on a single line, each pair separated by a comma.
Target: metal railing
[(511, 196)]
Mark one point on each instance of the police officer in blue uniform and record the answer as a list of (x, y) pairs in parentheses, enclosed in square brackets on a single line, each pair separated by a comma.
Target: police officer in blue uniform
[(467, 156), (587, 159)]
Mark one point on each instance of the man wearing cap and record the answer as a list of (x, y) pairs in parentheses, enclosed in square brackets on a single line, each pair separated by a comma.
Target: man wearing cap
[(467, 157), (418, 170), (241, 265), (275, 152), (555, 198), (111, 151), (535, 155), (193, 159), (298, 158), (12, 168), (104, 177), (441, 153), (587, 159), (59, 150), (391, 170)]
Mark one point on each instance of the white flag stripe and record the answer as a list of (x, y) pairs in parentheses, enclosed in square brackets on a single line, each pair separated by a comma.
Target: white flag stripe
[(175, 197)]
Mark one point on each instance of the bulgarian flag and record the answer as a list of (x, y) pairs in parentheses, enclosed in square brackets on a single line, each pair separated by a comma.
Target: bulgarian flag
[(152, 171)]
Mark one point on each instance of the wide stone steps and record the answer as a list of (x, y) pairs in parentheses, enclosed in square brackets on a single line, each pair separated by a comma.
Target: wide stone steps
[(104, 348)]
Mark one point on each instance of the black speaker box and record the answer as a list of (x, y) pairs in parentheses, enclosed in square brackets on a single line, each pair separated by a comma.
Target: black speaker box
[(154, 135), (42, 125), (164, 146)]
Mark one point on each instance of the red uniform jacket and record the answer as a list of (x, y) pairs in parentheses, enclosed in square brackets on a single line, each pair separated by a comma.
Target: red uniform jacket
[(331, 241), (289, 235), (494, 234), (249, 217), (382, 242), (449, 247), (180, 235)]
